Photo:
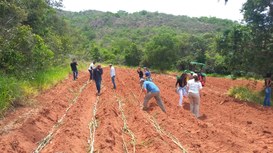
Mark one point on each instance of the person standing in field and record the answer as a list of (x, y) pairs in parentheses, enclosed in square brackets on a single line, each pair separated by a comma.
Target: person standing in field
[(268, 89), (113, 75), (151, 91), (91, 69), (140, 73), (97, 77), (74, 69), (182, 82), (194, 87), (147, 74)]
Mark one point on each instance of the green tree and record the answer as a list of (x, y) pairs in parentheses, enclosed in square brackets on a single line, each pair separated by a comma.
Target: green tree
[(133, 55), (96, 54), (235, 46), (161, 51), (258, 15)]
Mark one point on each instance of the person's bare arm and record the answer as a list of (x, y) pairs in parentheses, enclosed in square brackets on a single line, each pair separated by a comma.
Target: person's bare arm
[(144, 90), (200, 90), (176, 83)]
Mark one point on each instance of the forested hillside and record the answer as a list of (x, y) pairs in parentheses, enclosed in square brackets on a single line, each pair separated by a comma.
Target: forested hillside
[(101, 20), (152, 39), (165, 41)]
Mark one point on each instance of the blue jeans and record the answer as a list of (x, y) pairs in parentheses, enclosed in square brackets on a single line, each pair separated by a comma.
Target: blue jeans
[(98, 84), (267, 96), (75, 75), (91, 74), (113, 81), (182, 91)]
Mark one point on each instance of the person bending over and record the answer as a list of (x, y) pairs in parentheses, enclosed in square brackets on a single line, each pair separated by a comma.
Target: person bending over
[(151, 91)]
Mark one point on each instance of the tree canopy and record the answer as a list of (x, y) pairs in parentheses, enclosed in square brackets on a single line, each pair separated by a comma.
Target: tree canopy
[(248, 47)]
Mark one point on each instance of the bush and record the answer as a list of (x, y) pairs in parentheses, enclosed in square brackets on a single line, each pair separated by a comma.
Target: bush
[(16, 89), (9, 90), (45, 79), (246, 94)]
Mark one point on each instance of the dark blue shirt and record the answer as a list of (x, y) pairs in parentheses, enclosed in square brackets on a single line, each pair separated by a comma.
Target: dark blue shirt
[(97, 74), (73, 66)]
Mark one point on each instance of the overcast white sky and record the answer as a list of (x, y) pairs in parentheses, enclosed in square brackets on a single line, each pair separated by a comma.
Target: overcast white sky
[(192, 8)]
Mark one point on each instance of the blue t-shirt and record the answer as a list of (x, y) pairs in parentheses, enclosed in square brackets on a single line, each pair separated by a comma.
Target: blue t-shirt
[(150, 86)]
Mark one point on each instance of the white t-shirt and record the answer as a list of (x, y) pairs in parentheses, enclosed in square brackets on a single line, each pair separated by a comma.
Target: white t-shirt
[(92, 66), (112, 71), (193, 86)]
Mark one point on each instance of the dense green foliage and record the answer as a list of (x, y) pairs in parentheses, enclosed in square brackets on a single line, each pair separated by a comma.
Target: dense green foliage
[(155, 40), (9, 91), (249, 48), (34, 42), (32, 36)]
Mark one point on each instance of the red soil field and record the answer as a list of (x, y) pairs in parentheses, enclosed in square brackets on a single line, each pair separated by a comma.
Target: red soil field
[(70, 118)]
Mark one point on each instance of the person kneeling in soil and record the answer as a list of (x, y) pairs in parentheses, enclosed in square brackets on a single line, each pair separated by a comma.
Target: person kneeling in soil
[(151, 91)]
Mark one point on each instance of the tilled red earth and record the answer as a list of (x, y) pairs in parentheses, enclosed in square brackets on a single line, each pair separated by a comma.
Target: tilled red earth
[(71, 118)]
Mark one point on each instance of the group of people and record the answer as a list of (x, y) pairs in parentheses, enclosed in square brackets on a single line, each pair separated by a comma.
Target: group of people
[(147, 74), (186, 86), (190, 88), (189, 85), (96, 75), (95, 72)]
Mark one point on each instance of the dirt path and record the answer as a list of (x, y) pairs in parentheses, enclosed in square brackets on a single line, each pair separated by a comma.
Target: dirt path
[(71, 118)]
